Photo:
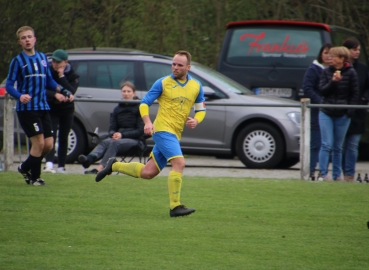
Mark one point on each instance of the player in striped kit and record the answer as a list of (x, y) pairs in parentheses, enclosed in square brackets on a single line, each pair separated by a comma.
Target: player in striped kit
[(29, 70)]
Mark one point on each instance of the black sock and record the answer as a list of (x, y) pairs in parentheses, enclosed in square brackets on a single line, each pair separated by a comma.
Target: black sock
[(26, 165), (35, 167)]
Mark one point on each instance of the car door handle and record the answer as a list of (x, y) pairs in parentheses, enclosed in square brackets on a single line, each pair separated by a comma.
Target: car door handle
[(84, 96)]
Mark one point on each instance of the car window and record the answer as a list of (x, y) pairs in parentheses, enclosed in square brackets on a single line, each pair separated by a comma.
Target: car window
[(269, 46), (155, 71), (104, 74), (206, 83), (217, 80), (81, 70)]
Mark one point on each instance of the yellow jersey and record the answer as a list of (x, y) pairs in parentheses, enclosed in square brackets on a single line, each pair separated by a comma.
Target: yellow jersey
[(175, 100)]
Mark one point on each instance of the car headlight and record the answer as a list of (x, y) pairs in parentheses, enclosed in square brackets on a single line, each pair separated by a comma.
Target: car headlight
[(295, 117)]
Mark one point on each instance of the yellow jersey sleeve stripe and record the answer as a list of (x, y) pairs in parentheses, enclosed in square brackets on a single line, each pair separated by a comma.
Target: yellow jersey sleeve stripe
[(200, 116), (144, 109)]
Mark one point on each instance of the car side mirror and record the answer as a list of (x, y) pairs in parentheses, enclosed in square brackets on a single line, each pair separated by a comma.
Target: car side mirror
[(209, 93)]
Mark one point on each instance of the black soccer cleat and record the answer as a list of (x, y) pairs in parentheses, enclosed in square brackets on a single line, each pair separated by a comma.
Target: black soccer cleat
[(181, 211), (26, 175), (39, 182), (107, 170)]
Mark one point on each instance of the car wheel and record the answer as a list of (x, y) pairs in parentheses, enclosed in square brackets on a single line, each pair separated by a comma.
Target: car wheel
[(260, 145), (76, 144), (288, 162)]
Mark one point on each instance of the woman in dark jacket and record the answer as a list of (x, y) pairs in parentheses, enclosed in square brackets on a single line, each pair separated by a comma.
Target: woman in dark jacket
[(126, 130), (358, 120), (310, 85), (338, 85), (61, 107)]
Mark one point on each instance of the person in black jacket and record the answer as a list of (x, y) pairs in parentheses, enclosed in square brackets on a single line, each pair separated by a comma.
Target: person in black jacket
[(338, 85), (310, 85), (358, 120), (126, 130), (61, 107)]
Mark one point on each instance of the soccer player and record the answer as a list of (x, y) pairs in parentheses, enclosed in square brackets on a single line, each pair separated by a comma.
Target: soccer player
[(30, 71), (176, 95)]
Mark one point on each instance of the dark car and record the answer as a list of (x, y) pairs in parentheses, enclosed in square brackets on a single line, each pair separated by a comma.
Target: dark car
[(262, 137), (270, 57)]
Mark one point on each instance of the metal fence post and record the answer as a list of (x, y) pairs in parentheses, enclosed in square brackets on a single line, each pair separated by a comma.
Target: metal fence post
[(305, 139), (8, 132)]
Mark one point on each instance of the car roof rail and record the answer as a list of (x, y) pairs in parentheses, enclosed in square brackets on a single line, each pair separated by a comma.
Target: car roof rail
[(111, 50)]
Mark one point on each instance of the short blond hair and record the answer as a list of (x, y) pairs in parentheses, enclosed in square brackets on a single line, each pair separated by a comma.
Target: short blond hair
[(340, 51), (184, 53), (24, 28)]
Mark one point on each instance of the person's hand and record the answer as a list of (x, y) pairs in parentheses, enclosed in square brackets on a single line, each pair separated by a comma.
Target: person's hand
[(25, 98), (149, 129), (68, 95), (60, 97), (116, 136), (61, 69), (191, 122), (337, 76), (71, 97)]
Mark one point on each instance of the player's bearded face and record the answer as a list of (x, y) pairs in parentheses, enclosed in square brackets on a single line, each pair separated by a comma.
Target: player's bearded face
[(180, 67)]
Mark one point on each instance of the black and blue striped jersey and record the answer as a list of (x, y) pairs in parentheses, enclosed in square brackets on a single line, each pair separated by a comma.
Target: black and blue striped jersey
[(32, 75)]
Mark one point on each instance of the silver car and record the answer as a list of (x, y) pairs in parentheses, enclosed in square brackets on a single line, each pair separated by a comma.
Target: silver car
[(260, 136)]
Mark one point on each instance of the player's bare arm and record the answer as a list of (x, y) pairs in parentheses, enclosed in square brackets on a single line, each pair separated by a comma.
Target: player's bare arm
[(149, 127)]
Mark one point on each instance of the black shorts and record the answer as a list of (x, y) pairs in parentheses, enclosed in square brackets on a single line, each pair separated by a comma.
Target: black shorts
[(35, 122)]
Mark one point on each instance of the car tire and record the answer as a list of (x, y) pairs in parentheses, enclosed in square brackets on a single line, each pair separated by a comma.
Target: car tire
[(288, 162), (76, 144), (260, 145)]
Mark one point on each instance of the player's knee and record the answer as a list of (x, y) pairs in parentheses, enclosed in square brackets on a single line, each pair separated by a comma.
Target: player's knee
[(149, 173)]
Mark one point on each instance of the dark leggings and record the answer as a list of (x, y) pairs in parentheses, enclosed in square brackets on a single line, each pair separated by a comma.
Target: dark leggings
[(63, 120)]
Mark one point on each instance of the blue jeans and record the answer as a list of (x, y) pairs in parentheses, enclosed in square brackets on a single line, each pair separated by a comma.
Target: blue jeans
[(315, 143), (333, 131), (350, 153)]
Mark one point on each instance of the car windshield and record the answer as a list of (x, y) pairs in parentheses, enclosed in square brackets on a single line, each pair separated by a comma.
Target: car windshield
[(221, 81)]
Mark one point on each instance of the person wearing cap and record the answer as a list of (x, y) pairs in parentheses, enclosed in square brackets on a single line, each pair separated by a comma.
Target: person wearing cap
[(62, 107)]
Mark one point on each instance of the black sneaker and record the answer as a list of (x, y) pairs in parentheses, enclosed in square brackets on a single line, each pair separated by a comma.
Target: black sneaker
[(180, 211), (93, 171), (39, 182), (86, 161), (26, 175), (107, 170)]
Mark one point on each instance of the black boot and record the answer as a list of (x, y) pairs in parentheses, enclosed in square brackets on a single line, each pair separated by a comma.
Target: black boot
[(86, 161)]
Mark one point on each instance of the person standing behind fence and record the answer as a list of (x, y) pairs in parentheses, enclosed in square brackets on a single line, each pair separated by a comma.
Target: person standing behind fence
[(338, 85), (30, 70), (310, 86), (62, 107), (358, 120)]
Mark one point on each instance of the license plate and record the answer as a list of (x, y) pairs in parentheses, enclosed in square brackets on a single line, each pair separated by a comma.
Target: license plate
[(277, 92)]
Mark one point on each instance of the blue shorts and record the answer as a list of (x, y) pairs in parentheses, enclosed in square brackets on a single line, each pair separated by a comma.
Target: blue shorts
[(166, 148)]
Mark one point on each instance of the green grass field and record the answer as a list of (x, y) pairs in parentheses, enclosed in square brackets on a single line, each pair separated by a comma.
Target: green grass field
[(240, 223)]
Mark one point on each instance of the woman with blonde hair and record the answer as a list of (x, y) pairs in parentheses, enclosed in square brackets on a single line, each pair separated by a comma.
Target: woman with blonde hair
[(338, 85)]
